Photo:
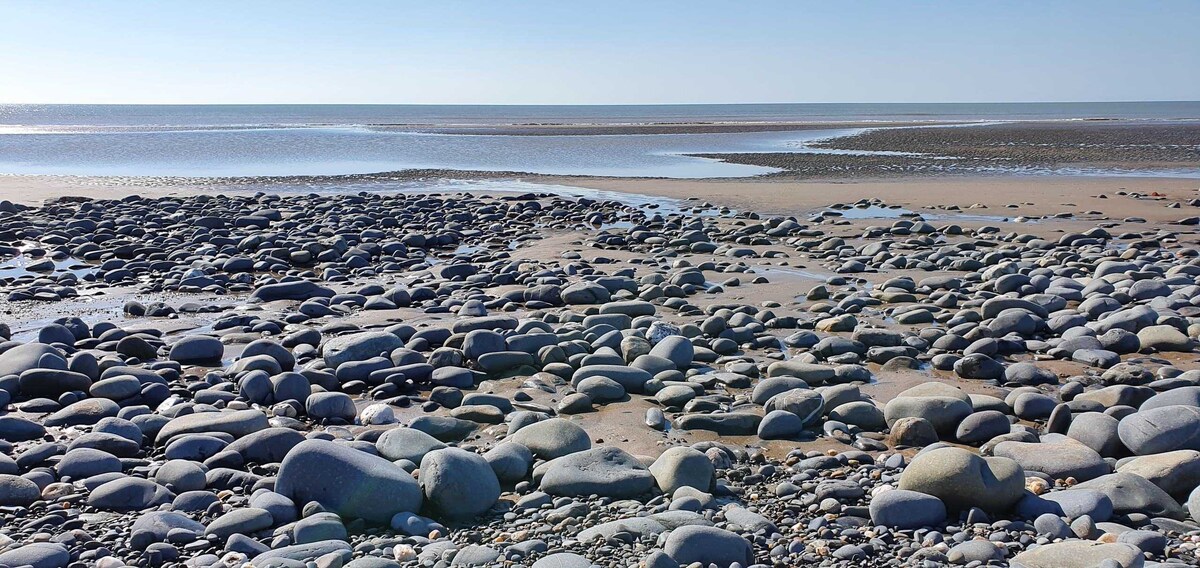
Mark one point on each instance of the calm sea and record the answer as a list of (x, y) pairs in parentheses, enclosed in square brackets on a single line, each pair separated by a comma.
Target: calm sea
[(269, 140)]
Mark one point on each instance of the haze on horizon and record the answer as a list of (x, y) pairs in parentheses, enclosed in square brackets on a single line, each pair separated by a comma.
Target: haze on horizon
[(543, 52)]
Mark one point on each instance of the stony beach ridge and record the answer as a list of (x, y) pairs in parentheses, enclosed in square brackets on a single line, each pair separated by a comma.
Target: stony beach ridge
[(532, 379)]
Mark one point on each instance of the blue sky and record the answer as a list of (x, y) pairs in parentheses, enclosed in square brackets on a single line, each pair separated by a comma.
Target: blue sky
[(612, 52)]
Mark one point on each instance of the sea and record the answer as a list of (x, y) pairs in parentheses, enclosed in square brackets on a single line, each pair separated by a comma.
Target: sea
[(324, 140)]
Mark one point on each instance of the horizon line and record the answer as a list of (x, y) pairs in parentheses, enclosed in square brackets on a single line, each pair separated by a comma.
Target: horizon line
[(610, 104)]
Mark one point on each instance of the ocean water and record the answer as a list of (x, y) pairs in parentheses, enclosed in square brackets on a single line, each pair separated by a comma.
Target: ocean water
[(276, 140)]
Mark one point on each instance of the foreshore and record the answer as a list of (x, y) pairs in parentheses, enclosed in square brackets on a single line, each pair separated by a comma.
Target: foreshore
[(759, 372), (990, 195)]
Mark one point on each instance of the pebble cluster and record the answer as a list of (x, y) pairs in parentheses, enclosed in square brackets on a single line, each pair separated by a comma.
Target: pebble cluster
[(380, 380)]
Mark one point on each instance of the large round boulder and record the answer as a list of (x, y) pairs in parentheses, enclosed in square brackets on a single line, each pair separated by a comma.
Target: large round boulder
[(682, 467), (553, 438), (1162, 429), (197, 350), (708, 545), (458, 483), (906, 510), (963, 480), (347, 481)]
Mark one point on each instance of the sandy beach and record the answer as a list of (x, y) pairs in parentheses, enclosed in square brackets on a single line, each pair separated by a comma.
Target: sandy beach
[(1145, 197)]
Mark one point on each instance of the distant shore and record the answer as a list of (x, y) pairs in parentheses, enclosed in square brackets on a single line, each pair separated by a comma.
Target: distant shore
[(1017, 147), (650, 128), (725, 149)]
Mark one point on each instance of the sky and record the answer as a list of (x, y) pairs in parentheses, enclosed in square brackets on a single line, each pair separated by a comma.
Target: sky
[(610, 52)]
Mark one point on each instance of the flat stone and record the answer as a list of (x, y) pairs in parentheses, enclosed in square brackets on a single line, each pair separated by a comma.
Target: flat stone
[(606, 471), (1059, 461), (1134, 494), (236, 423), (1079, 554)]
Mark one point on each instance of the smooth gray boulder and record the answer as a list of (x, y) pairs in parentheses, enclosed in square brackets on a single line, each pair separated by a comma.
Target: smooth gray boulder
[(708, 545), (458, 483), (943, 412), (1079, 554), (812, 374), (236, 423), (963, 480), (606, 471), (16, 491), (562, 560), (553, 438), (982, 426), (239, 521), (1070, 504), (723, 423), (1164, 338), (30, 356), (17, 429), (1134, 494), (1162, 429), (181, 476), (1176, 472), (330, 406), (129, 494), (683, 467), (906, 510), (631, 378), (83, 413), (51, 383), (1059, 461), (159, 523), (270, 445), (197, 350), (676, 349), (808, 405), (406, 444), (359, 347), (769, 387), (294, 290), (780, 425), (510, 461), (81, 463), (346, 481), (37, 555), (1185, 396), (1097, 431), (304, 552)]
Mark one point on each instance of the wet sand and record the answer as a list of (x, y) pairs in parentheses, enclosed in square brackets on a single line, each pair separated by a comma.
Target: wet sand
[(1032, 195), (1032, 147), (1147, 197)]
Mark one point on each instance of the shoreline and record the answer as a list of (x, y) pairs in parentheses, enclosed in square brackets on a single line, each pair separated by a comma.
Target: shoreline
[(987, 195), (853, 151)]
